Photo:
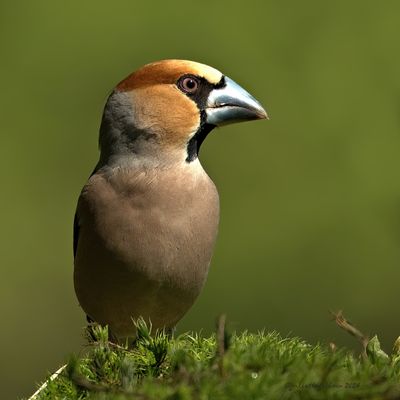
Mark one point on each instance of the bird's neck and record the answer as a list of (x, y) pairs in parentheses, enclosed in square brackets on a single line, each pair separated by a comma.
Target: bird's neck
[(136, 163), (125, 144)]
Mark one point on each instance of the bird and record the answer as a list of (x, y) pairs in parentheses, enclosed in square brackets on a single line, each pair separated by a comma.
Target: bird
[(146, 221)]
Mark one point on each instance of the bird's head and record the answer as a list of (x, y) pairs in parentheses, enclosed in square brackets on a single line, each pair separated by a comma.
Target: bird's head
[(164, 111)]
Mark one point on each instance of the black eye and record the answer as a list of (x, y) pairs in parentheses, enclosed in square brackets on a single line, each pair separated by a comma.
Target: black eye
[(188, 84)]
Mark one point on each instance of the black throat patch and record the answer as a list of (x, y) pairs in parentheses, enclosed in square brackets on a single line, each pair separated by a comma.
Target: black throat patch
[(200, 98), (193, 146)]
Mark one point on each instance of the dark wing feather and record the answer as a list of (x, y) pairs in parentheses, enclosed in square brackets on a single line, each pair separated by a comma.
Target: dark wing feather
[(76, 232)]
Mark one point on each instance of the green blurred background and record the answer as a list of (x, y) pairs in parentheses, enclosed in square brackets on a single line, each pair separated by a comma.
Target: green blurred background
[(310, 199)]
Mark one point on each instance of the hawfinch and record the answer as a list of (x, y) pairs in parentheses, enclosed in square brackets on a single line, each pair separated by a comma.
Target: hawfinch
[(147, 219)]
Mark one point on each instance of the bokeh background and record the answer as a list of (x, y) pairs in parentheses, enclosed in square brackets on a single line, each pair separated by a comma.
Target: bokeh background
[(310, 199)]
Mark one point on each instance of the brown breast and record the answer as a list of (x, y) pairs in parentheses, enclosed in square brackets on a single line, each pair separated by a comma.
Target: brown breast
[(145, 244)]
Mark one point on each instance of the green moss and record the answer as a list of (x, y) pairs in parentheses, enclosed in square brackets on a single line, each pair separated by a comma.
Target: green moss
[(247, 366)]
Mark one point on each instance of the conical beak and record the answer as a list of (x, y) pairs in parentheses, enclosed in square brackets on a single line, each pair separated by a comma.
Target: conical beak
[(231, 103)]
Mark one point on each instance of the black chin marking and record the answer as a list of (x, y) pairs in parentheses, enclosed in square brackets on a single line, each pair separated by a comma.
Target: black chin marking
[(193, 146), (200, 98)]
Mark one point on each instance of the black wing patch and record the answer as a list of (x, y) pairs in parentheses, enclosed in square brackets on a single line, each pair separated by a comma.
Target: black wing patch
[(76, 233), (77, 227)]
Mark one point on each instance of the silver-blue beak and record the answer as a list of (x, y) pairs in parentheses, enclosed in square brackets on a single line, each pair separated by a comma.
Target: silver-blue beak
[(231, 103)]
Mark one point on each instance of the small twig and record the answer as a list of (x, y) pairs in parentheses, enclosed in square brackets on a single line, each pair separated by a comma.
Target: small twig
[(112, 345), (221, 345), (52, 377), (84, 383), (346, 325)]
